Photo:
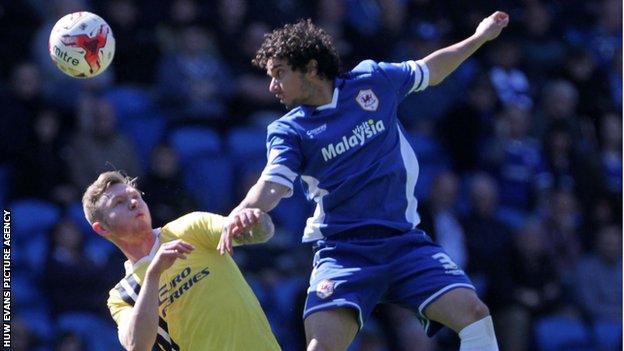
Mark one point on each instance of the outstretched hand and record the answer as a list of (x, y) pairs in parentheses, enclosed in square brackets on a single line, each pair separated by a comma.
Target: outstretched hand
[(168, 253), (492, 25), (237, 224)]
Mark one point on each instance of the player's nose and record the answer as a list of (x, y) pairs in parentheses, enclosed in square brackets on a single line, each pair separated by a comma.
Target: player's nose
[(273, 86)]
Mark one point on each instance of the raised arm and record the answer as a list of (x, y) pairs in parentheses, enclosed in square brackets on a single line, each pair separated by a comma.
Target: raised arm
[(264, 196), (443, 62), (138, 333)]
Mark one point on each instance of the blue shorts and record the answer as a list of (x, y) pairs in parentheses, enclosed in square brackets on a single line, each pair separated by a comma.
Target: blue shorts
[(406, 269)]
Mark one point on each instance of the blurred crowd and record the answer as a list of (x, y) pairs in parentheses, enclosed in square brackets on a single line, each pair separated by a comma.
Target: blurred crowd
[(520, 154)]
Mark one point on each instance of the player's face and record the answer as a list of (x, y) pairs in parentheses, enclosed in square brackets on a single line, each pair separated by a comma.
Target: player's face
[(125, 212), (287, 85)]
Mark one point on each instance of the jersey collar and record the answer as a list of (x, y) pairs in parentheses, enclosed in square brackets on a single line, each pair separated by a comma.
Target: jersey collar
[(131, 267), (332, 104)]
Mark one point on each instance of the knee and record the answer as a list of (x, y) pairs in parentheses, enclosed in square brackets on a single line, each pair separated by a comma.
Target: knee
[(316, 345), (478, 310)]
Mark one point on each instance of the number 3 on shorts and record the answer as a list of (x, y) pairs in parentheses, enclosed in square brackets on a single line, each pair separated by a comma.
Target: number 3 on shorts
[(445, 260)]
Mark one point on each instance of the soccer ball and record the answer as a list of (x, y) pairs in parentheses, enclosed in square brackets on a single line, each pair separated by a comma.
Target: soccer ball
[(81, 44)]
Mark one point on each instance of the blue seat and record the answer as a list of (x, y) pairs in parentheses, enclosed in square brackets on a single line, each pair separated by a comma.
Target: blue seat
[(210, 181), (131, 102), (25, 291), (76, 213), (431, 161), (608, 335), (35, 252), (146, 133), (290, 215), (557, 333), (39, 321), (32, 216), (193, 142), (99, 334), (247, 142)]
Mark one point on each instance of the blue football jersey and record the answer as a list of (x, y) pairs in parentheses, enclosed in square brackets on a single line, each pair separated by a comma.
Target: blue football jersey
[(352, 155)]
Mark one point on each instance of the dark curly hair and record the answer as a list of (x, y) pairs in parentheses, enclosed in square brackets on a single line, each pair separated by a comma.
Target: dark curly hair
[(299, 43)]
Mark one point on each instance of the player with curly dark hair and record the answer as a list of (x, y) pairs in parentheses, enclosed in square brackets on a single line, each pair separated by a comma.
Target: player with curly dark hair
[(342, 138), (299, 43)]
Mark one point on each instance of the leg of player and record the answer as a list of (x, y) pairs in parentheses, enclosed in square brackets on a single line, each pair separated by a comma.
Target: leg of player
[(331, 330), (461, 310)]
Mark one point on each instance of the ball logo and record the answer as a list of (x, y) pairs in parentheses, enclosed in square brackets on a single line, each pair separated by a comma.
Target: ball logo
[(325, 288), (367, 100), (91, 45)]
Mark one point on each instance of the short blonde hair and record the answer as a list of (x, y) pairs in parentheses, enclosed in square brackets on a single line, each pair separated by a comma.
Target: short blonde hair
[(94, 192)]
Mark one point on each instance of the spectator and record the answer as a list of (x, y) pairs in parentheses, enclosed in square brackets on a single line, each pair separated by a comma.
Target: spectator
[(193, 80), (69, 341), (535, 286), (468, 124), (488, 241), (136, 51), (72, 281), (509, 80), (562, 230), (599, 277), (166, 195), (516, 159), (21, 103), (98, 146), (440, 220), (47, 155), (543, 50)]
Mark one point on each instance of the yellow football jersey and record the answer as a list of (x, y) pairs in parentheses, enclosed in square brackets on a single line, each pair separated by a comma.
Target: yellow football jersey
[(204, 301)]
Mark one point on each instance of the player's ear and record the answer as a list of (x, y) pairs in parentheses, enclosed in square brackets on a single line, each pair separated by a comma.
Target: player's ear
[(100, 228), (312, 68)]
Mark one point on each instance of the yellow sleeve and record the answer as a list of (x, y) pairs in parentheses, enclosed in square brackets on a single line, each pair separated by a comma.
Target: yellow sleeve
[(119, 310), (202, 228)]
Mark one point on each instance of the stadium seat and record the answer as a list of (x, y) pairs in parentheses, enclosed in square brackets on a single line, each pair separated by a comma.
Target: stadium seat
[(99, 334), (75, 212), (25, 291), (130, 102), (35, 251), (247, 142), (31, 216), (193, 142), (558, 333), (290, 215), (39, 322), (431, 162), (209, 181), (146, 133), (608, 335)]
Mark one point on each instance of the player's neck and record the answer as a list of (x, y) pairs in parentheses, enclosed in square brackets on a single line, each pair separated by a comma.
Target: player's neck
[(323, 92), (137, 246)]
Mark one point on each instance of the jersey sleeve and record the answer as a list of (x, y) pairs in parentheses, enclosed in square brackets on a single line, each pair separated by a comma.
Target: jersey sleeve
[(284, 155), (197, 228), (406, 77), (120, 311)]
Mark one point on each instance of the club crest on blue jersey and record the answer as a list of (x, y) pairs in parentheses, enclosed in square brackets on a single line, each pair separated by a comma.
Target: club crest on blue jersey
[(367, 100), (325, 288)]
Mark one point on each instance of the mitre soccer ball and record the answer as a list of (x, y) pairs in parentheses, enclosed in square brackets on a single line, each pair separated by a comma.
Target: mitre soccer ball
[(82, 44)]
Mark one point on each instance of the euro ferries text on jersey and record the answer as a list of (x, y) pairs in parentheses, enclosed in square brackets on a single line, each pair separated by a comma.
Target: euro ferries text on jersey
[(361, 132)]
